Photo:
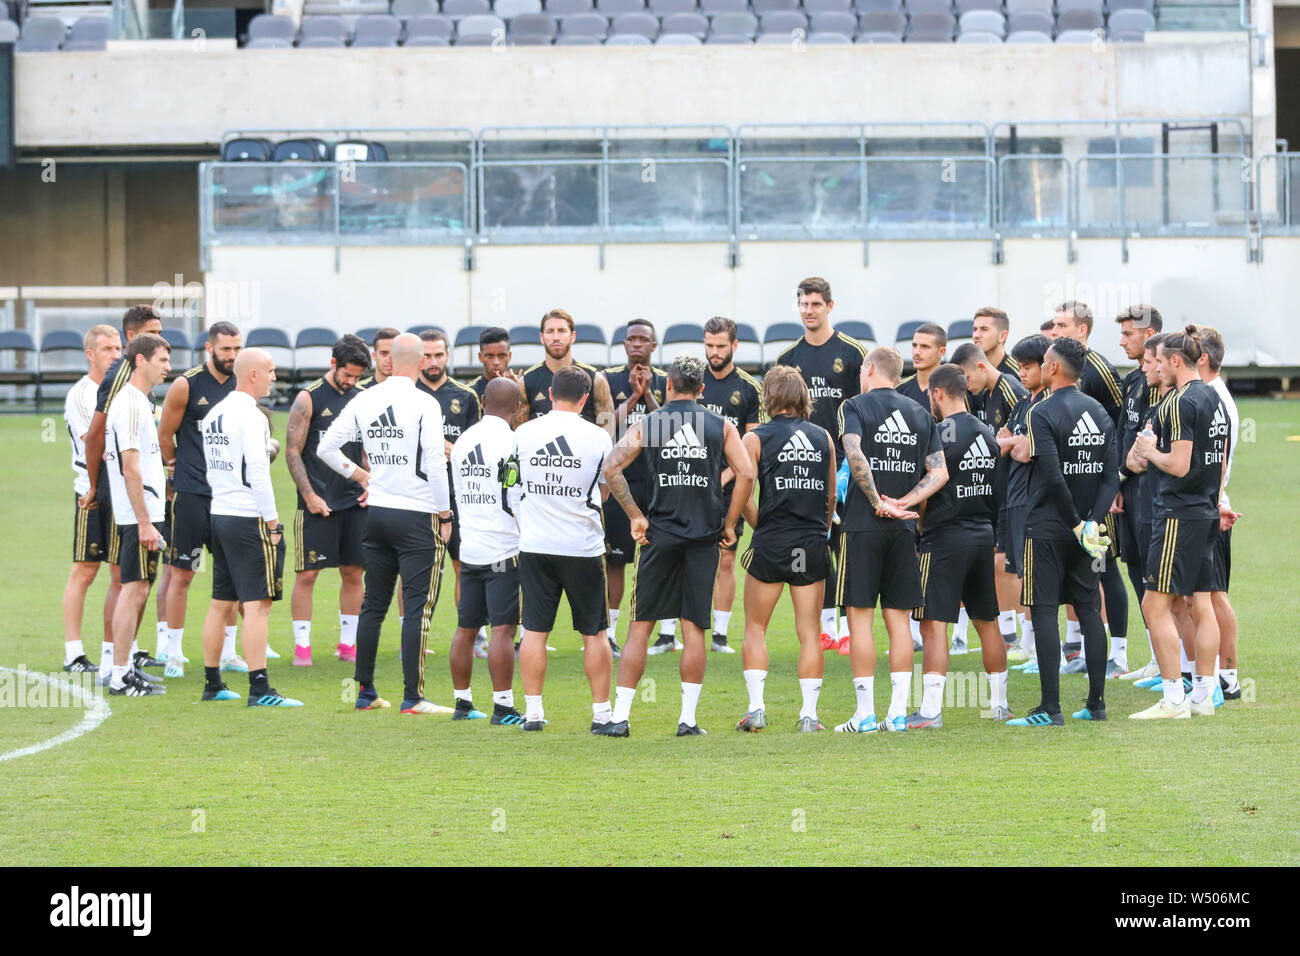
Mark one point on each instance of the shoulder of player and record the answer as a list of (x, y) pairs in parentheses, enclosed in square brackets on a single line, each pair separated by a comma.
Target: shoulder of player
[(533, 368), (905, 381), (749, 380), (190, 373), (462, 387), (619, 369), (852, 343), (788, 352)]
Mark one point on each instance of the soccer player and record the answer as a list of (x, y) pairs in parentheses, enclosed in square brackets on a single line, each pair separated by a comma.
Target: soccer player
[(190, 397), (408, 520), (460, 409), (685, 449), (489, 591), (558, 335), (1028, 354), (736, 396), (562, 542), (895, 461), (638, 389), (1188, 446), (247, 535), (137, 319), (929, 346), (794, 461), (93, 528), (831, 365), (330, 521), (494, 356), (1137, 324), (990, 328), (992, 395), (1071, 484), (1208, 366), (956, 553), (382, 352), (137, 488)]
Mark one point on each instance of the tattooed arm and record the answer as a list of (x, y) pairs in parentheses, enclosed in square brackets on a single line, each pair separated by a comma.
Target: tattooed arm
[(624, 453), (295, 441), (935, 477), (601, 395), (860, 469)]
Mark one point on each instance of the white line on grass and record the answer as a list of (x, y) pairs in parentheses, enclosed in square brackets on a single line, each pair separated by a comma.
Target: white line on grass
[(97, 711)]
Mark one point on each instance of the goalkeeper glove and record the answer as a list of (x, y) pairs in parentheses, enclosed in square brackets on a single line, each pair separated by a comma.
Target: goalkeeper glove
[(1091, 539), (508, 472), (842, 482)]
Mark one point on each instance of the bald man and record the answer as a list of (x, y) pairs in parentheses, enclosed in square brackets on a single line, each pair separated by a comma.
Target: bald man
[(247, 536)]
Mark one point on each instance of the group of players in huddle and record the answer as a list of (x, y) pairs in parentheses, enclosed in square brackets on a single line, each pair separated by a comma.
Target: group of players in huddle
[(994, 485)]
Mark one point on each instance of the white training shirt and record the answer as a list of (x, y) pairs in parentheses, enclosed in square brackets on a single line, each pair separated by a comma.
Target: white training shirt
[(561, 457), (488, 529), (78, 408), (1220, 386), (401, 429), (130, 426), (235, 436)]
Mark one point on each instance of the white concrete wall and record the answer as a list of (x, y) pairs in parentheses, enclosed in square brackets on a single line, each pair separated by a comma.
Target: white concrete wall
[(1201, 280), (187, 92)]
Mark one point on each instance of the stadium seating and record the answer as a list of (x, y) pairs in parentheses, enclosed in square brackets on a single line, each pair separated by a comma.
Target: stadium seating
[(678, 335), (377, 30), (777, 337), (464, 352), (525, 345), (749, 348), (862, 331), (62, 358), (367, 334), (312, 352), (17, 347), (182, 350), (41, 35), (277, 344), (960, 331), (590, 345)]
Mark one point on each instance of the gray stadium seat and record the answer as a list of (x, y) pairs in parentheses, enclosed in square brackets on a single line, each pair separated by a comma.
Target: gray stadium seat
[(638, 24), (565, 8), (734, 24), (729, 39), (8, 31), (426, 25), (710, 7), (529, 39), (584, 24), (427, 40), (90, 28), (966, 6), (345, 8), (929, 21), (982, 21), (331, 27), (928, 6), (784, 22), (834, 21), (42, 35), (481, 39), (1063, 5), (377, 30), (507, 9), (578, 39), (533, 24), (877, 37), (883, 21), (1019, 6), (928, 36), (867, 6), (978, 36), (1131, 21), (269, 43), (772, 6), (814, 7), (268, 26), (628, 39), (612, 8), (1079, 19), (409, 9), (1127, 36), (481, 25), (661, 8), (775, 39), (322, 43), (1076, 36), (1029, 36), (1033, 20), (693, 23), (677, 39), (1114, 5), (825, 39), (455, 9), (85, 46)]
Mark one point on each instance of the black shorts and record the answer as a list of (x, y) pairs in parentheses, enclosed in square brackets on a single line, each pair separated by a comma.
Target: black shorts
[(878, 567), (1181, 559), (191, 530), (1058, 571), (336, 541), (1126, 531), (674, 578), (453, 543), (544, 577), (489, 594), (1111, 525), (621, 548), (94, 532), (795, 561), (740, 522), (137, 562), (1002, 535), (1222, 561), (951, 577), (246, 566), (1015, 542), (1142, 533)]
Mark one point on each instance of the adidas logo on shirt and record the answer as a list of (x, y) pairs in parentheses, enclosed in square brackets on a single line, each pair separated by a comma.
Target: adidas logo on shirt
[(1219, 424), (215, 434), (202, 401), (684, 444), (978, 456), (473, 465), (385, 426), (1086, 432), (799, 448), (556, 454), (894, 431), (326, 414)]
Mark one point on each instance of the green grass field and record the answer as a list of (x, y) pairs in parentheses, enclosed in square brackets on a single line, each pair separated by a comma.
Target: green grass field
[(185, 783)]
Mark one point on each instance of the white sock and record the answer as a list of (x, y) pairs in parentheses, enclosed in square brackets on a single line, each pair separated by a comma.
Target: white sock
[(348, 629), (600, 713), (533, 707), (174, 639), (106, 661), (135, 649), (754, 681), (503, 698), (1184, 665), (963, 625), (998, 689), (915, 627), (466, 695), (1173, 690), (1217, 671), (1027, 635), (668, 627), (161, 631), (1151, 647), (900, 682), (720, 621), (1119, 650), (932, 696), (119, 674), (864, 688), (1007, 624), (690, 697), (613, 622), (1202, 687), (828, 620), (481, 635), (228, 645), (72, 650), (1073, 633), (1229, 675), (811, 688), (844, 627), (623, 697), (302, 633)]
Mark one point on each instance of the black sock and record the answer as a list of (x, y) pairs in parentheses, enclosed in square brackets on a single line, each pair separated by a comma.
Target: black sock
[(258, 683), (1094, 633), (1116, 597), (213, 676), (1047, 638)]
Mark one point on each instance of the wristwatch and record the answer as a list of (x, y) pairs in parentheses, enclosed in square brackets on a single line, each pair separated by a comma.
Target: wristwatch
[(278, 529)]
